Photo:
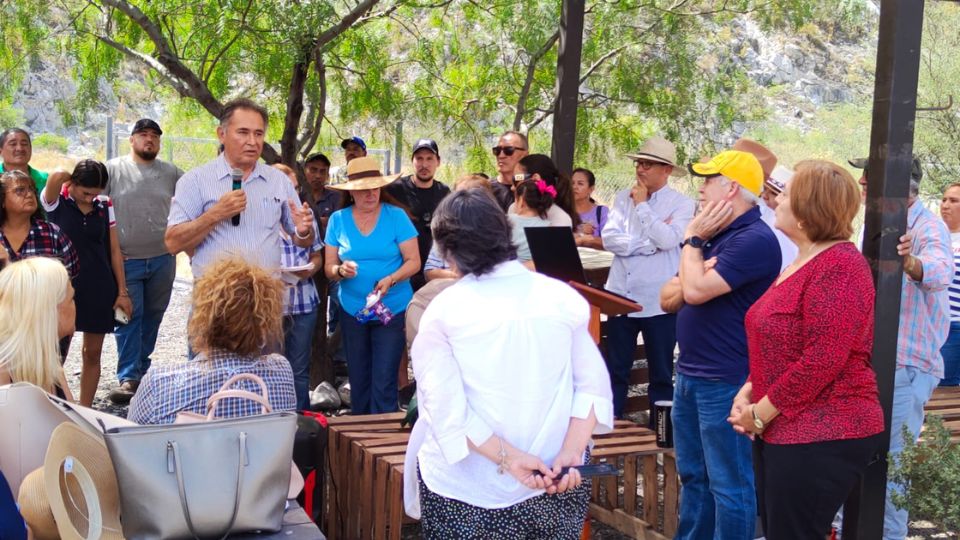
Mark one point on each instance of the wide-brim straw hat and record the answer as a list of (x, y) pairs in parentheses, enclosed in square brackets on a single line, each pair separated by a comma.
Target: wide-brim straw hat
[(81, 485), (363, 173), (661, 150), (35, 507)]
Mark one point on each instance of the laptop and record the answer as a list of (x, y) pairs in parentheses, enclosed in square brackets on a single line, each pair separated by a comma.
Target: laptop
[(555, 254)]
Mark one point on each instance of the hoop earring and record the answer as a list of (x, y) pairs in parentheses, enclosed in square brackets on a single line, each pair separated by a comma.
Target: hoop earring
[(800, 225)]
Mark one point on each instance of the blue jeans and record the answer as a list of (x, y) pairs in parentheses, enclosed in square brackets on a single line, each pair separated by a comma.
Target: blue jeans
[(333, 319), (717, 500), (912, 389), (951, 356), (297, 346), (149, 282), (659, 339), (373, 353)]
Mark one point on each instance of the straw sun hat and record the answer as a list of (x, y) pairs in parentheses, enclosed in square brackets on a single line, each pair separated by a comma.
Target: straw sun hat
[(363, 173), (660, 150), (81, 485)]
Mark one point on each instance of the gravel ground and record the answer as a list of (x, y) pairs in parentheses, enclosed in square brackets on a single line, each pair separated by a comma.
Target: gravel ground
[(172, 347)]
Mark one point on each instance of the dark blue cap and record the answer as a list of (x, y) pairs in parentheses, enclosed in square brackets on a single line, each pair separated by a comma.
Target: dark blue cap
[(354, 139)]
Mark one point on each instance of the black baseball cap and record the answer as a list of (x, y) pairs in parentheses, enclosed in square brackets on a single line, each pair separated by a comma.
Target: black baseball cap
[(916, 171), (144, 124), (355, 140), (428, 144), (319, 156)]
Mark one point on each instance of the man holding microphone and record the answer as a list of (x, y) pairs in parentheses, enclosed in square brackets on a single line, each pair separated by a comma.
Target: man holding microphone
[(202, 216)]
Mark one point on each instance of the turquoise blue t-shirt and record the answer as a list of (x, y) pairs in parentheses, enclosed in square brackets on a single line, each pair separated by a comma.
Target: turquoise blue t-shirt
[(377, 255)]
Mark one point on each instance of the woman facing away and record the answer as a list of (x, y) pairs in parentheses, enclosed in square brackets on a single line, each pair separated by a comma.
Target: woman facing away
[(237, 314), (36, 298), (811, 403), (509, 391)]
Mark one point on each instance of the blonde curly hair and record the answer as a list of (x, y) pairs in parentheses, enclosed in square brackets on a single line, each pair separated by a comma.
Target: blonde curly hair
[(237, 307)]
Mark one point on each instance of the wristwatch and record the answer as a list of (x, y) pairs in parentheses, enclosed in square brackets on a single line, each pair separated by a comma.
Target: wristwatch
[(693, 241), (757, 422)]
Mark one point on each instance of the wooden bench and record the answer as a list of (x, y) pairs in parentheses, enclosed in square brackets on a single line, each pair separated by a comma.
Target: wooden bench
[(364, 489), (946, 404)]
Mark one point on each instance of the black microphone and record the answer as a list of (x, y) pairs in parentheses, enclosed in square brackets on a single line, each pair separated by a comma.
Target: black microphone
[(237, 176)]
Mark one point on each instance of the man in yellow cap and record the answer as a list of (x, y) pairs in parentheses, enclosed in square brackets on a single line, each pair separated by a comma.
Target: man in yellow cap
[(729, 259)]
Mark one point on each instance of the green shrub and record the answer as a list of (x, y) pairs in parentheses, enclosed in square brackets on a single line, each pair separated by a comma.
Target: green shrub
[(51, 141), (929, 473)]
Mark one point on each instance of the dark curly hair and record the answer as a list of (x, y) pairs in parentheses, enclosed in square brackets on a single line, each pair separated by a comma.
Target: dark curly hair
[(472, 232)]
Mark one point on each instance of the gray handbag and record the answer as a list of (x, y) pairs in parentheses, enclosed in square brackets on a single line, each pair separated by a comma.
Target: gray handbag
[(203, 480)]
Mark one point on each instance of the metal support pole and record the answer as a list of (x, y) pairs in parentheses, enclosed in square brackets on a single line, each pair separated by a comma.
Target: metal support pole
[(111, 148), (398, 148), (568, 84), (888, 184)]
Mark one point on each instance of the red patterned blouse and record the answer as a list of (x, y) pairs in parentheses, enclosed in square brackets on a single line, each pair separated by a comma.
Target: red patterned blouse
[(810, 339)]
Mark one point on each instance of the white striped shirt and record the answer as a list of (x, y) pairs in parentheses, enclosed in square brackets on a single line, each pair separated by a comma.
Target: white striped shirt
[(257, 238), (955, 283)]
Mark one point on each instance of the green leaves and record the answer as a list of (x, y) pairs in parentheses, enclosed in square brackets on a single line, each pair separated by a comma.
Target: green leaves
[(928, 472)]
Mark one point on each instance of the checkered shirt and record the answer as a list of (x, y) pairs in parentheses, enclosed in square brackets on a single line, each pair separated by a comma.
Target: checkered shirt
[(168, 389), (302, 297), (45, 239), (924, 305)]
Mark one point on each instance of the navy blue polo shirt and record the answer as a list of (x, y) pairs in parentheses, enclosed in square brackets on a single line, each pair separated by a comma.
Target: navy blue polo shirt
[(711, 336)]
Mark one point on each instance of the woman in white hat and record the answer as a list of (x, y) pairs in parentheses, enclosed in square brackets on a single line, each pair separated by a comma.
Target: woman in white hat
[(371, 248)]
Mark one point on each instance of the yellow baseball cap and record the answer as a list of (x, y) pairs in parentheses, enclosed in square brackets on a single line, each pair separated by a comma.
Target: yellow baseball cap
[(741, 167)]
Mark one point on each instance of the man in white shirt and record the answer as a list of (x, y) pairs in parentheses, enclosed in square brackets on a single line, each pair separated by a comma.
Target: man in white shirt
[(644, 232)]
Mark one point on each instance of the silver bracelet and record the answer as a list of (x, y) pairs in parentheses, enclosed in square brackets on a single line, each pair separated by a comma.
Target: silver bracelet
[(297, 234), (502, 454)]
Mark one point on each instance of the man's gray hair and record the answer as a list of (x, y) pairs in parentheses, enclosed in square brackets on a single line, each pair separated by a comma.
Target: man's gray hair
[(745, 194)]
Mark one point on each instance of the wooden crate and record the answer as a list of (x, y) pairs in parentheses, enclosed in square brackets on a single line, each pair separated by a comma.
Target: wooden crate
[(364, 488), (643, 501)]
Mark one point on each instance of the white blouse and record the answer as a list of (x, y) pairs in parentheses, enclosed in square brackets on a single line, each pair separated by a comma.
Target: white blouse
[(505, 354)]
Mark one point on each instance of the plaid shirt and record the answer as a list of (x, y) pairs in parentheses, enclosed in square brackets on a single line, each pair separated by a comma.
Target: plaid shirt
[(924, 305), (45, 239), (302, 297), (168, 389)]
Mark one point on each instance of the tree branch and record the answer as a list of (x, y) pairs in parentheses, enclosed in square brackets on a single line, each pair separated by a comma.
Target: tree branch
[(521, 107)]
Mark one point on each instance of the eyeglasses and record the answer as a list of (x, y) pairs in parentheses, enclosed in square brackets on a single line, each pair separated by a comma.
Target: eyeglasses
[(24, 192), (644, 164), (506, 150)]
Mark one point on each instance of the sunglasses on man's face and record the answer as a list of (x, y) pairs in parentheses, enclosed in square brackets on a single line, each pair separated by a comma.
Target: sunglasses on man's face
[(506, 150)]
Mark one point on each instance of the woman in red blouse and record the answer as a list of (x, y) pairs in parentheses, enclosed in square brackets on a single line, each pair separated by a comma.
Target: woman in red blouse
[(811, 400)]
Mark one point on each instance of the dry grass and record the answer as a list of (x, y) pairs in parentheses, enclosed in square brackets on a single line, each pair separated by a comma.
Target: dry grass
[(49, 161)]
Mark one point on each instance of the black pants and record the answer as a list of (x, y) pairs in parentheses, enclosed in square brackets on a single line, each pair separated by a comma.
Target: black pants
[(800, 487), (556, 517)]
